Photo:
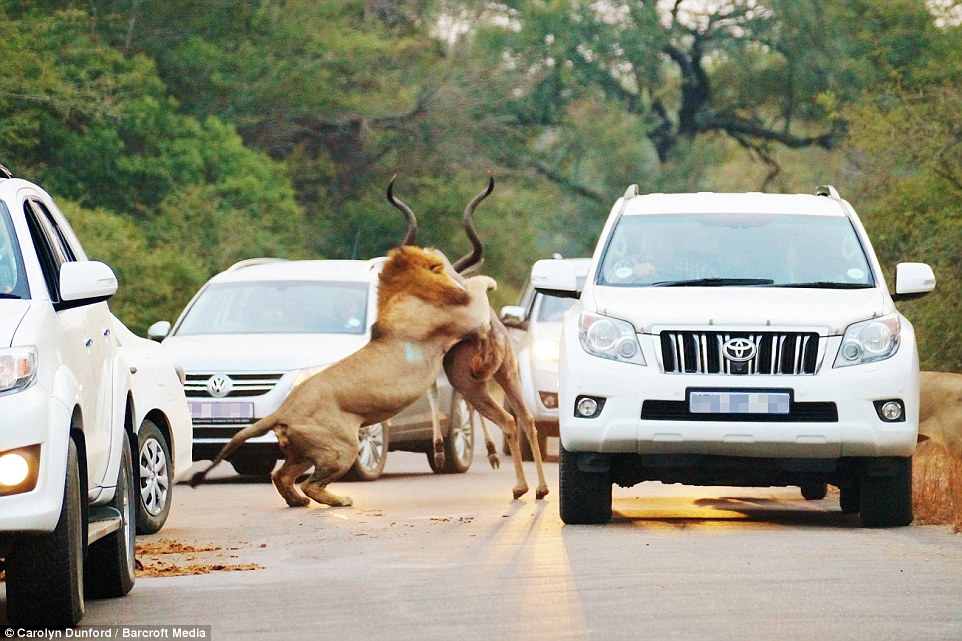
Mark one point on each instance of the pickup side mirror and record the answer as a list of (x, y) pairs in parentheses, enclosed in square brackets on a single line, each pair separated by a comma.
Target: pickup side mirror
[(555, 278), (513, 316), (84, 283), (913, 280), (158, 331)]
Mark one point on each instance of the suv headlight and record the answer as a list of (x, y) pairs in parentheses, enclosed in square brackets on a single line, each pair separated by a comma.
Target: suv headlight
[(610, 338), (18, 368), (869, 341), (305, 374), (545, 350)]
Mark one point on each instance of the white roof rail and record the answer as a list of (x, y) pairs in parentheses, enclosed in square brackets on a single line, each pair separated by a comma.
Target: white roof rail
[(250, 262), (827, 190), (631, 192)]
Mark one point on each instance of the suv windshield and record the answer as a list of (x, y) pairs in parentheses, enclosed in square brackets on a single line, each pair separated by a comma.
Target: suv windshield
[(278, 307), (13, 280), (713, 250)]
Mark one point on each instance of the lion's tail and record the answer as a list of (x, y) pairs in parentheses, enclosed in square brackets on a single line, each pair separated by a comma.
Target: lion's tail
[(259, 428)]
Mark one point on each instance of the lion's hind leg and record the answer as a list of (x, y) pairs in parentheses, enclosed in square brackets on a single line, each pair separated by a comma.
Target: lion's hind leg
[(330, 463), (283, 479)]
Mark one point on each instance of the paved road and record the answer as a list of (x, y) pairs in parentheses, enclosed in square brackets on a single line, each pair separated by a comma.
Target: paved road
[(453, 557)]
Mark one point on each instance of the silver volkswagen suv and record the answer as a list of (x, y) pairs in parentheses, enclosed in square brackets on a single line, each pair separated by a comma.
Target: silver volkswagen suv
[(255, 331)]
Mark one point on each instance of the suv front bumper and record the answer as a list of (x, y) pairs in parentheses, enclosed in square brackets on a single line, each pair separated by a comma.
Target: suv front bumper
[(857, 432), (32, 418)]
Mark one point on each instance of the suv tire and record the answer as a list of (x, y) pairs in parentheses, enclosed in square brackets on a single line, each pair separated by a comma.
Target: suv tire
[(886, 501), (254, 464), (585, 496), (372, 454), (459, 443), (45, 581), (154, 492), (109, 569)]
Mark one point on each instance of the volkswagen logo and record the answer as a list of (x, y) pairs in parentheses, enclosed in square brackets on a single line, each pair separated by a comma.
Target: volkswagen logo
[(219, 385), (739, 350)]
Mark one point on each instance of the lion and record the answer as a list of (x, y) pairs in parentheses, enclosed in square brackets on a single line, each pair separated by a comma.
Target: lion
[(940, 410), (422, 312)]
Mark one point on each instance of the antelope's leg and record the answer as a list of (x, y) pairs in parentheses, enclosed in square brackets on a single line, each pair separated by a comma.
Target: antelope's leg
[(436, 438)]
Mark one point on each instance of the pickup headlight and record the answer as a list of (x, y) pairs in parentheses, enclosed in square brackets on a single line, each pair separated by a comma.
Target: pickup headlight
[(609, 338), (18, 368), (869, 341), (545, 350)]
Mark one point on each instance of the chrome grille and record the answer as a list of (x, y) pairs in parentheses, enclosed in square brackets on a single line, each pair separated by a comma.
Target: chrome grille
[(241, 384), (697, 352)]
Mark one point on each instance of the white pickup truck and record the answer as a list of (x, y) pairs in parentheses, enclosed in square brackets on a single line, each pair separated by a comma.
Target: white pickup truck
[(94, 426), (737, 339)]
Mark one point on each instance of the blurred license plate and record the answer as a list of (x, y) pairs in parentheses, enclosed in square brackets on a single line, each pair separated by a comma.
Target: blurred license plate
[(732, 402), (221, 410)]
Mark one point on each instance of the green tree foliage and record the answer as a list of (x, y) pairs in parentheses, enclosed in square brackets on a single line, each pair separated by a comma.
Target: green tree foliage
[(219, 130)]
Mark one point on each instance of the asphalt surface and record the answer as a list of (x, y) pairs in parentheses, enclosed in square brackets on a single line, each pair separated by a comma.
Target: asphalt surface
[(421, 556)]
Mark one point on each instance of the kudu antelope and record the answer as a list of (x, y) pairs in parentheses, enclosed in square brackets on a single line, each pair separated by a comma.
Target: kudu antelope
[(472, 363), (424, 308)]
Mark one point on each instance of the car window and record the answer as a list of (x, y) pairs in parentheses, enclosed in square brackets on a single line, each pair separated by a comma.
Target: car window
[(284, 307), (551, 309), (55, 228), (735, 249), (48, 252), (13, 279)]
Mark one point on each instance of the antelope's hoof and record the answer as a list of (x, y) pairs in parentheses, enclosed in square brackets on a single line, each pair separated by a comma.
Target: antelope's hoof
[(520, 491), (542, 492), (494, 460), (439, 460)]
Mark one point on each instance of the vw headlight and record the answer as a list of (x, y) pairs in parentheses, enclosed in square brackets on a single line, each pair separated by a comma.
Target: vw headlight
[(870, 341), (610, 338), (18, 368), (305, 374)]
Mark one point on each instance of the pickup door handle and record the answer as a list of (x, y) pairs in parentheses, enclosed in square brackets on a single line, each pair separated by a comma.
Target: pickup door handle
[(106, 332), (89, 343)]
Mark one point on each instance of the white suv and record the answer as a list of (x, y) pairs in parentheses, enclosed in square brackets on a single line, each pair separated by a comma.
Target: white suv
[(737, 339), (89, 415), (258, 329)]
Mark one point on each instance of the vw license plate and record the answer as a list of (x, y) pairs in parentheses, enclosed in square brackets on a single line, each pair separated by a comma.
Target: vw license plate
[(221, 410), (739, 402)]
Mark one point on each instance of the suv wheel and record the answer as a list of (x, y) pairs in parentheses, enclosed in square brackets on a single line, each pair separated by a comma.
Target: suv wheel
[(109, 569), (814, 491), (585, 496), (156, 479), (254, 465), (371, 454), (459, 444), (886, 501), (45, 582)]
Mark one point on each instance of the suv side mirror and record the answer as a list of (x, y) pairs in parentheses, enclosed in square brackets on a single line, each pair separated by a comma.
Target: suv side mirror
[(555, 278), (913, 280), (85, 282), (158, 331), (513, 316)]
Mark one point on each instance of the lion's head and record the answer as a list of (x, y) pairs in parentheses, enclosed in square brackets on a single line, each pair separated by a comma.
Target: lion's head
[(423, 273)]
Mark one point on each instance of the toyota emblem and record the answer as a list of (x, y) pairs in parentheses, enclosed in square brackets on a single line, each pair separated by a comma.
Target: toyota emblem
[(739, 350), (219, 385)]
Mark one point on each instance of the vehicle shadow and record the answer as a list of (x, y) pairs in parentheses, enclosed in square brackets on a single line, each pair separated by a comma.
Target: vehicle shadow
[(732, 511)]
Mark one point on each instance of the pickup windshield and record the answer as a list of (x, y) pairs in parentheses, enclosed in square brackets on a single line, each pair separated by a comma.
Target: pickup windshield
[(735, 250)]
